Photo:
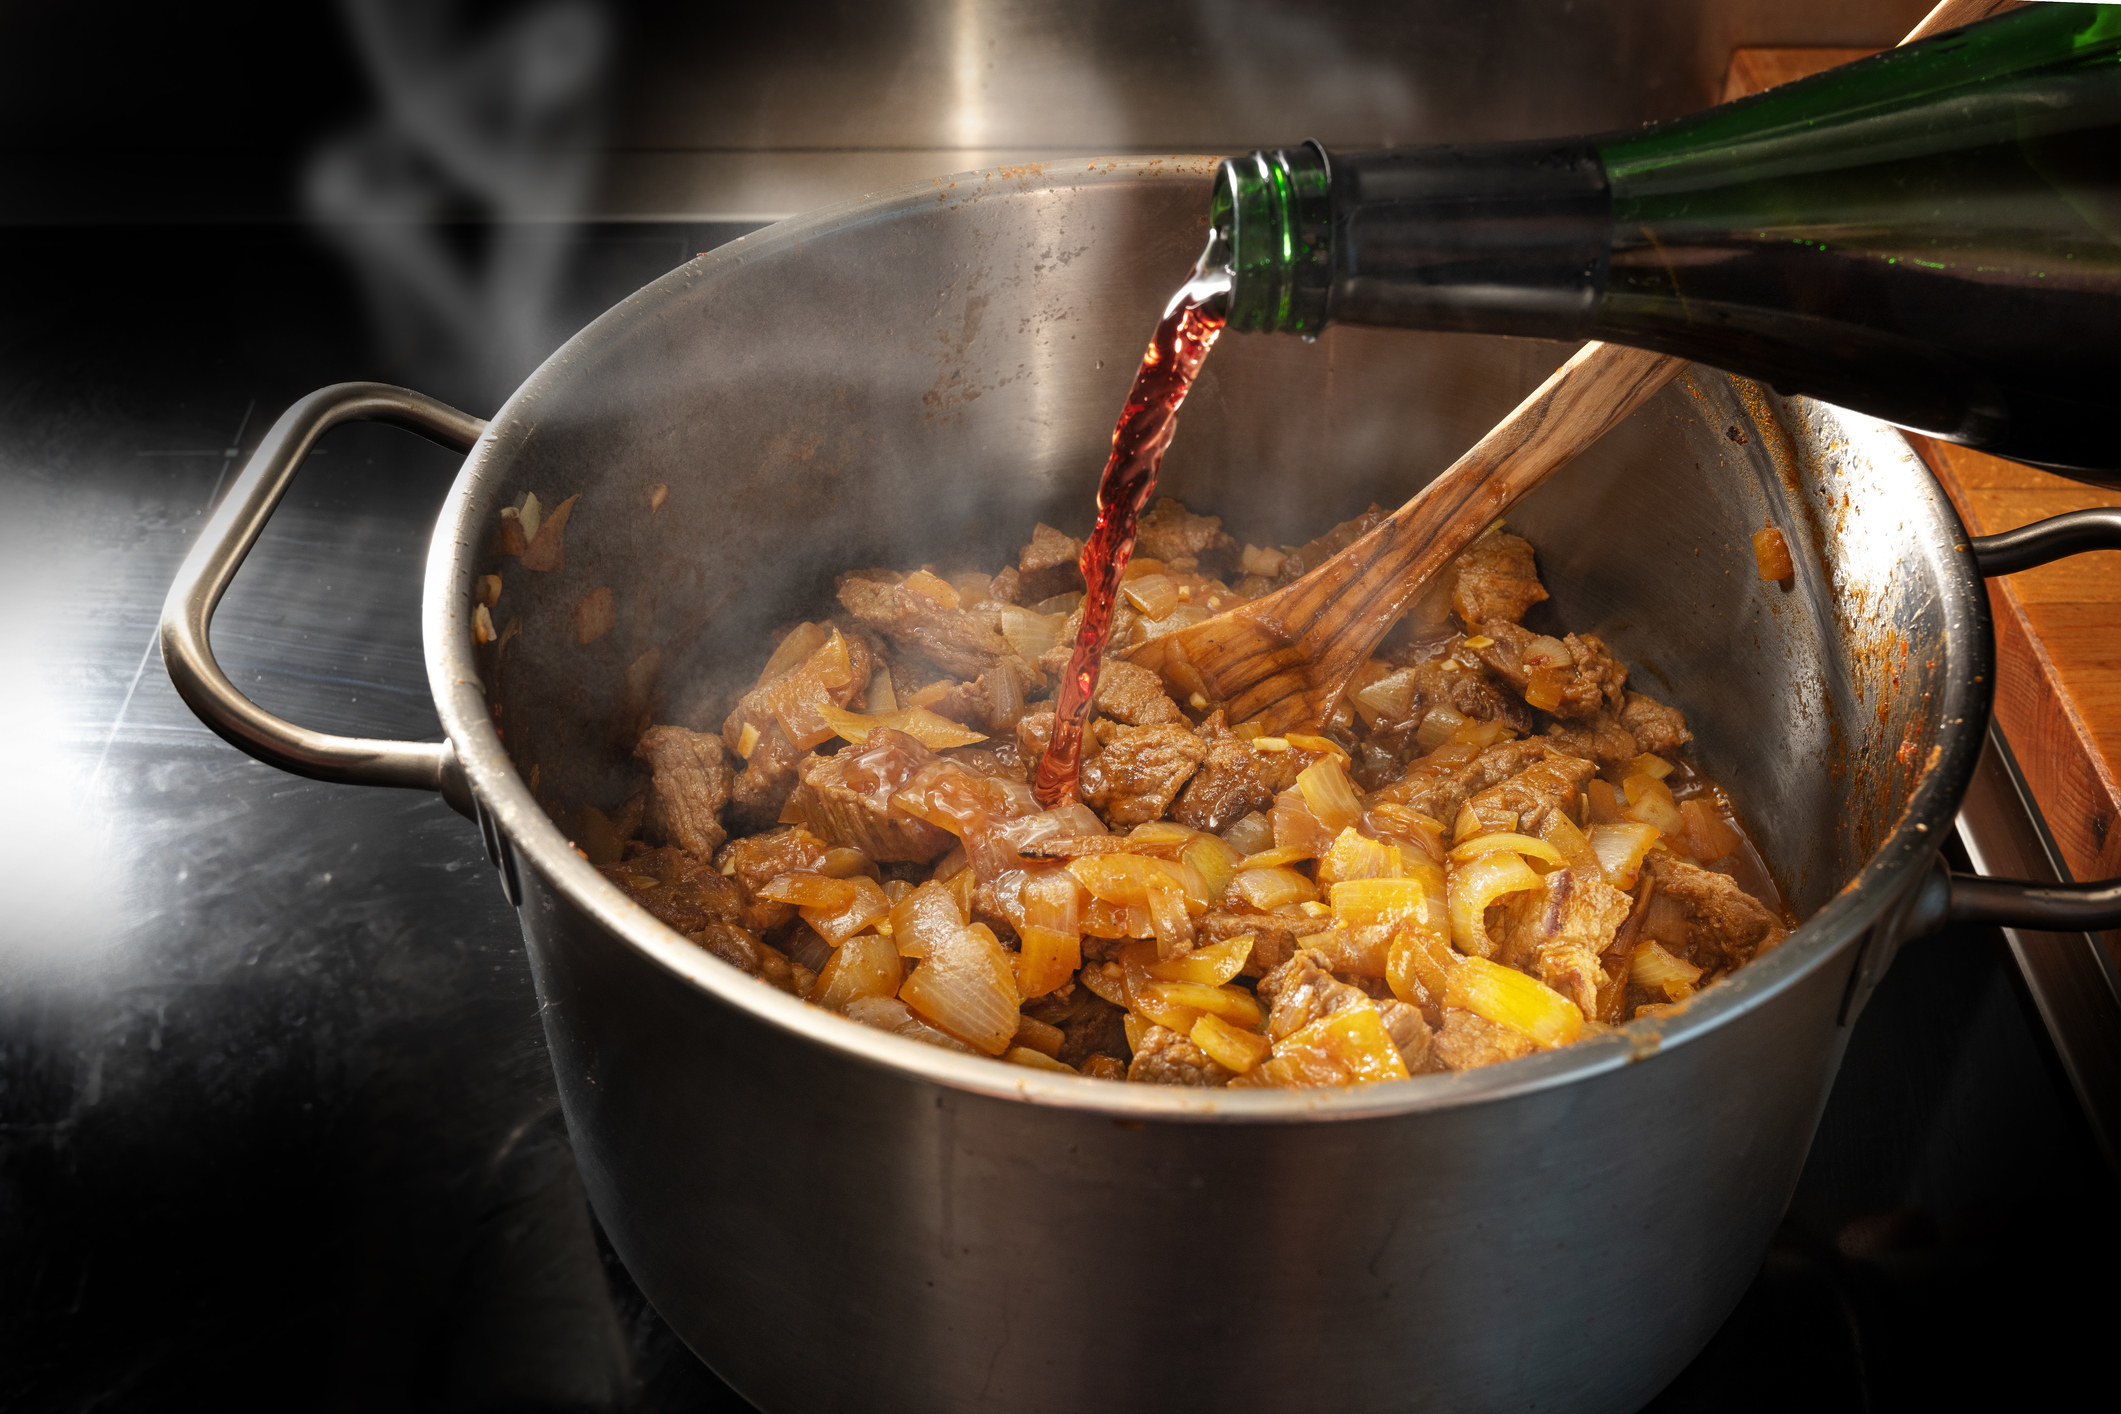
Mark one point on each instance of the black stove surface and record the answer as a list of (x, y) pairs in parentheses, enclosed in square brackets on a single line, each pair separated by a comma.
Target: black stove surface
[(277, 1125)]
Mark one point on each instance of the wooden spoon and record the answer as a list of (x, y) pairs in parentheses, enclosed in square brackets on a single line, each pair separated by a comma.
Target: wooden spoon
[(1283, 660)]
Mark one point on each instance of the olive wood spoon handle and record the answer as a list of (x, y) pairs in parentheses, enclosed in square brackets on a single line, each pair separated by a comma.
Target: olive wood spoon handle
[(1283, 660)]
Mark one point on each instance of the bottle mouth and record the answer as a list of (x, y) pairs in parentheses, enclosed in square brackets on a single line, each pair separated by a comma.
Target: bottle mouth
[(1270, 222)]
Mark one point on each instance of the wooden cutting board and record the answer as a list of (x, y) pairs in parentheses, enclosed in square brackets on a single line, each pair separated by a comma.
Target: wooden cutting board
[(2058, 628)]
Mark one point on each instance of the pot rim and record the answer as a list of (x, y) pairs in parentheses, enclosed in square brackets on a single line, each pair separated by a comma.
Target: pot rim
[(460, 699)]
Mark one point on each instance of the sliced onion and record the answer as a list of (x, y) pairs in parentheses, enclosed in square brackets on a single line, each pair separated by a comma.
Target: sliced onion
[(1388, 699), (1268, 889), (1251, 834), (1620, 850), (1214, 860), (1437, 726), (929, 913), (1155, 595), (865, 966), (1650, 802), (789, 653), (1472, 887), (1524, 845), (1184, 616), (966, 987), (1214, 964), (927, 728), (1030, 633), (1653, 967), (1509, 998), (1357, 856), (891, 1014)]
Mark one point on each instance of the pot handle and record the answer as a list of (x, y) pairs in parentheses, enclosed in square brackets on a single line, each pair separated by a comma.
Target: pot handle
[(2022, 903), (230, 532)]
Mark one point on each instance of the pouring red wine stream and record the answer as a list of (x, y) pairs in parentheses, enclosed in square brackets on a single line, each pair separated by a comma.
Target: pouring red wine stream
[(1183, 337)]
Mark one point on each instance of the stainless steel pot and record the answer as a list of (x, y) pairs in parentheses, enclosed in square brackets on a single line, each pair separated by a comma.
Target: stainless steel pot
[(839, 1219)]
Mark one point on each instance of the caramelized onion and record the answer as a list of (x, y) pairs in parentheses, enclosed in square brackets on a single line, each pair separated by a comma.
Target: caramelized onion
[(965, 986), (1509, 998), (1473, 887)]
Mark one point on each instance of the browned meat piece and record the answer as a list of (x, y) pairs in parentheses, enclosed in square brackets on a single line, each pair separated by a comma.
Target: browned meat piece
[(1558, 931), (1183, 540), (683, 891), (1275, 936), (1129, 693), (1439, 789), (1033, 731), (1007, 587), (1312, 553), (1521, 802), (846, 800), (1602, 739), (1654, 726), (1134, 779), (1090, 1025), (1126, 623), (690, 788), (987, 703), (1409, 1031), (735, 946), (1470, 692), (1050, 564), (1227, 787), (768, 774), (1573, 677), (1466, 1040), (1167, 1058), (752, 862), (761, 789), (1725, 923), (1496, 581), (963, 642), (1300, 992)]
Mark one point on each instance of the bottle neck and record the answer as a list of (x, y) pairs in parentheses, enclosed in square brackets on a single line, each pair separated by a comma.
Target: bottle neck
[(1507, 238)]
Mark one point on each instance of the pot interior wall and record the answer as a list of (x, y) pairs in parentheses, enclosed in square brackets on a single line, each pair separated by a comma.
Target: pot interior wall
[(922, 379)]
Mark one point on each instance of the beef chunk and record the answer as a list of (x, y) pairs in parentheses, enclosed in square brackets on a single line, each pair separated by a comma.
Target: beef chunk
[(683, 891), (768, 775), (1466, 1040), (1558, 931), (1496, 581), (1300, 992), (1126, 623), (1134, 695), (1310, 555), (1275, 936), (735, 946), (962, 642), (1602, 739), (1654, 726), (1409, 1031), (1725, 924), (1227, 787), (1575, 678), (1439, 788), (1090, 1025), (1050, 564), (1521, 801), (751, 862), (1473, 692), (691, 786), (1182, 540), (987, 703), (1167, 1058), (1134, 779), (846, 800), (761, 789)]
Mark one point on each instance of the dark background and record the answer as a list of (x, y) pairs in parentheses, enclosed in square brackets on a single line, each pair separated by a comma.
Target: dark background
[(276, 1122)]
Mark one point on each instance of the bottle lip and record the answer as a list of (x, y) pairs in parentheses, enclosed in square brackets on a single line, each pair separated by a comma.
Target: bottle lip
[(1272, 212)]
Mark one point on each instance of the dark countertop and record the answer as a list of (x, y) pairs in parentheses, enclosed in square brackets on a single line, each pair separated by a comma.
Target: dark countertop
[(276, 1122)]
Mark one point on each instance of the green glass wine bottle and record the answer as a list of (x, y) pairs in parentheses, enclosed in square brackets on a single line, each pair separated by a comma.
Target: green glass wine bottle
[(1931, 235)]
